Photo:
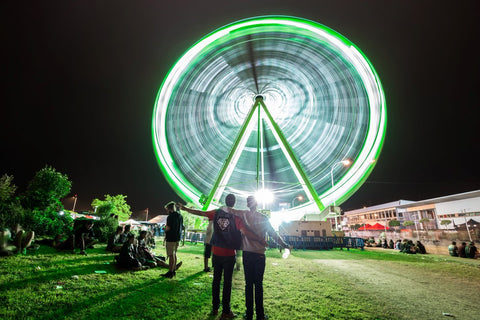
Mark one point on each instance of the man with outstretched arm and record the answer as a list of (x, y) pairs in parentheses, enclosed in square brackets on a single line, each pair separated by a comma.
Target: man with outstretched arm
[(227, 237), (254, 255)]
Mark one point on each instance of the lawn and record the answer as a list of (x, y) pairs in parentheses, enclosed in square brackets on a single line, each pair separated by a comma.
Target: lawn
[(336, 284)]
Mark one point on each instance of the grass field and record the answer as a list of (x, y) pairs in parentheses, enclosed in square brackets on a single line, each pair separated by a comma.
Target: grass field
[(337, 284)]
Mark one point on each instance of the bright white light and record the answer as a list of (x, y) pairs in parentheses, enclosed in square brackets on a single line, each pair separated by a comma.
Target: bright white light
[(61, 213), (346, 162), (264, 196)]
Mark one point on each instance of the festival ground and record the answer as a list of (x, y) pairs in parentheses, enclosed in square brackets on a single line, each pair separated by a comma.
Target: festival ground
[(335, 284)]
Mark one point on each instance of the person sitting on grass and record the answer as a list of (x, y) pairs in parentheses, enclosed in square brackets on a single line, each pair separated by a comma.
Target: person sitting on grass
[(470, 250), (398, 244), (420, 248), (128, 257), (60, 243), (114, 241), (126, 231), (151, 240), (21, 241), (409, 247), (84, 237), (461, 250), (146, 257), (391, 245), (453, 249)]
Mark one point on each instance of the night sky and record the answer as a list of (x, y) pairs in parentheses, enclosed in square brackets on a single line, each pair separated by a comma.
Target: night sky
[(79, 80)]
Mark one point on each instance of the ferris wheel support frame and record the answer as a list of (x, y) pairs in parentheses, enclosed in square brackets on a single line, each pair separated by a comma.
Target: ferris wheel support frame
[(239, 144)]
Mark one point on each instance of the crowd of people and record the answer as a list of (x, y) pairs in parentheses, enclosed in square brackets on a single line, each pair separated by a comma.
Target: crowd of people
[(404, 246), (465, 250), (136, 253)]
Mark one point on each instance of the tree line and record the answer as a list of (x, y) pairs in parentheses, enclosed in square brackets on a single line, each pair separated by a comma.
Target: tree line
[(39, 207)]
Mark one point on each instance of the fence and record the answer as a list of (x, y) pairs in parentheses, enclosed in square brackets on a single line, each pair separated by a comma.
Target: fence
[(323, 243), (299, 242)]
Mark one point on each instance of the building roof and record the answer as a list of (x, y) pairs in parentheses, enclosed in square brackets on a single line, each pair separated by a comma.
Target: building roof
[(453, 197), (403, 204), (378, 207)]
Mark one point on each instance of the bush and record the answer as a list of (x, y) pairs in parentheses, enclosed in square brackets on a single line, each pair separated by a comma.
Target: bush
[(46, 189), (104, 227), (11, 214), (48, 222)]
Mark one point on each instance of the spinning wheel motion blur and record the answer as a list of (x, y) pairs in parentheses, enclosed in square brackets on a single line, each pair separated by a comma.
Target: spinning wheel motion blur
[(270, 103)]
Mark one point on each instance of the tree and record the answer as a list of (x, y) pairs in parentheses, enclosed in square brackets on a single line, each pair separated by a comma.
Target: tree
[(408, 223), (11, 211), (46, 189), (445, 222), (424, 222), (113, 205), (393, 223), (7, 188), (194, 222), (42, 203)]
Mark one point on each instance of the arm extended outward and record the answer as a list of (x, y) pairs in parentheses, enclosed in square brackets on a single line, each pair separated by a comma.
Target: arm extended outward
[(194, 211), (252, 236)]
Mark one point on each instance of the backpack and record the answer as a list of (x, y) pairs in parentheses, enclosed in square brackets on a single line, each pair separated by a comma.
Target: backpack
[(225, 232)]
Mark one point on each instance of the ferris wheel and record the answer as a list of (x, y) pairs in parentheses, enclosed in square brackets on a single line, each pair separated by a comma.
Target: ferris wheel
[(272, 105)]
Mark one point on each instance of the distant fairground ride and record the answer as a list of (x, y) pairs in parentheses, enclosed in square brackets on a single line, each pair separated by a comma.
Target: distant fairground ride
[(279, 106)]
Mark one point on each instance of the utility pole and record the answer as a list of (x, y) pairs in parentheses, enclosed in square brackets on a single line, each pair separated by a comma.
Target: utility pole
[(74, 202)]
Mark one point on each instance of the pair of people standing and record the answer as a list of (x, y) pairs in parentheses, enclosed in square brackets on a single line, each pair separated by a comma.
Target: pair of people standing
[(253, 227)]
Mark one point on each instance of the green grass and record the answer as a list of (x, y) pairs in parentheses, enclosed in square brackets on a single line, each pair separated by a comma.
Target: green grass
[(40, 285)]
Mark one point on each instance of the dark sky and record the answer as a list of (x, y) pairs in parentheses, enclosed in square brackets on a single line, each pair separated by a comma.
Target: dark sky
[(79, 80)]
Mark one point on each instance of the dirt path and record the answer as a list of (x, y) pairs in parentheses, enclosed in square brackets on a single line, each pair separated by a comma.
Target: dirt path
[(416, 292)]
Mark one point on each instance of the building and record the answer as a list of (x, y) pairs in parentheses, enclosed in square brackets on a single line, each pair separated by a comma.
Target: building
[(424, 214), (306, 228), (457, 208), (381, 213)]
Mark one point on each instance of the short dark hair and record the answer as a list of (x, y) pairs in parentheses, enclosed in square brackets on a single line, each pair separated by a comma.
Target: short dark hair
[(170, 206), (230, 200)]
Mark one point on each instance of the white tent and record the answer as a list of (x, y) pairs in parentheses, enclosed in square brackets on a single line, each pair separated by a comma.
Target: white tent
[(162, 219), (129, 222)]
